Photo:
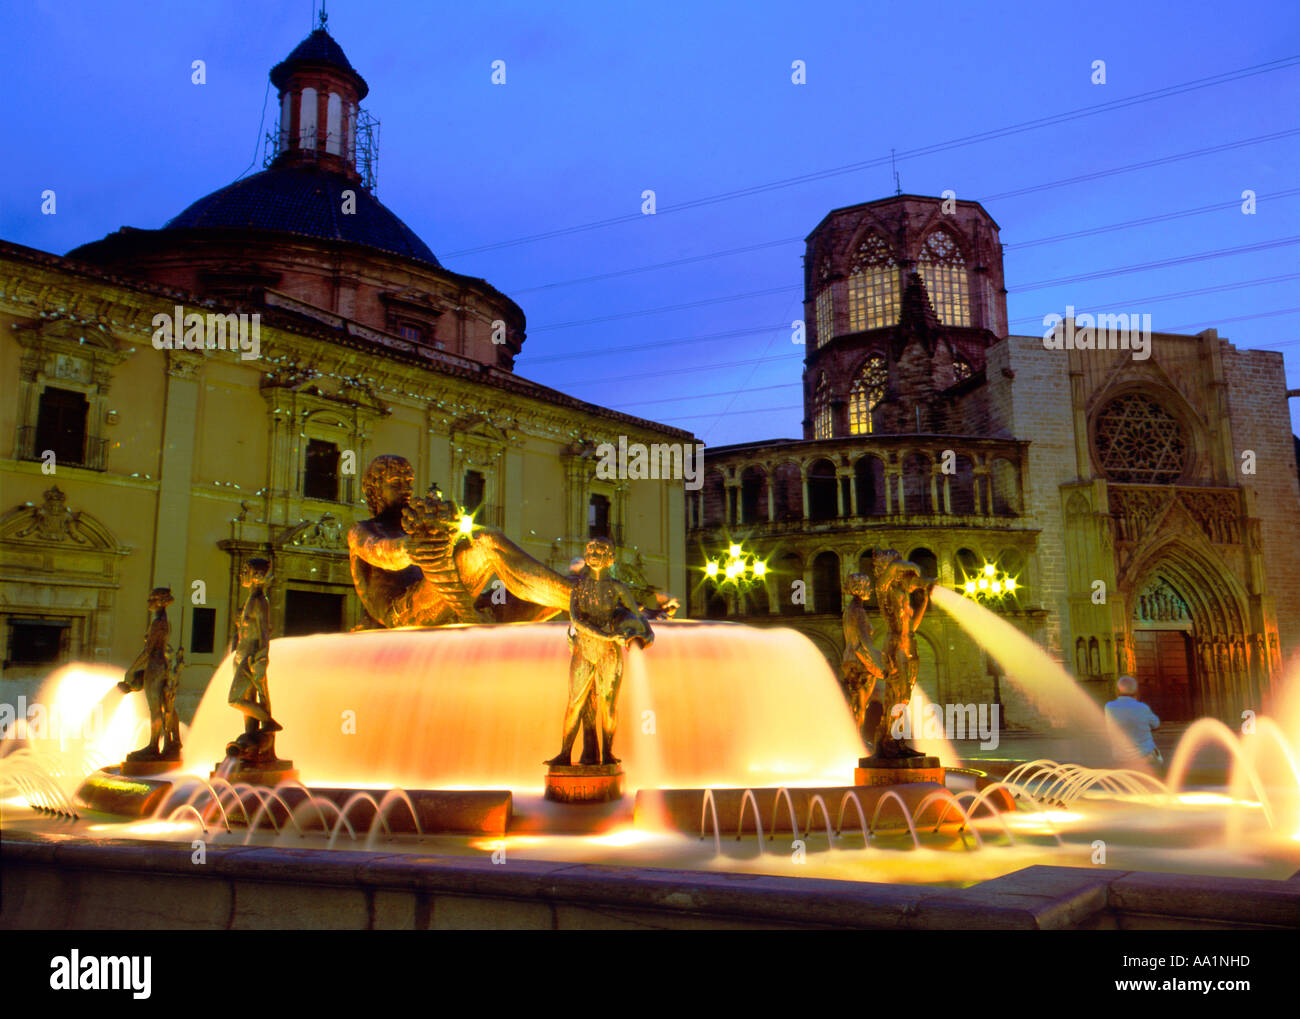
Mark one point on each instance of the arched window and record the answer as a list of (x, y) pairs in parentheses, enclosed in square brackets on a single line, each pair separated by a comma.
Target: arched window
[(966, 565), (307, 120), (961, 369), (334, 124), (873, 287), (926, 561), (787, 484), (868, 390), (715, 499), (1006, 494), (916, 485), (286, 119), (943, 269), (753, 495), (822, 409), (826, 583), (788, 569), (823, 503), (869, 476), (961, 486), (1137, 440)]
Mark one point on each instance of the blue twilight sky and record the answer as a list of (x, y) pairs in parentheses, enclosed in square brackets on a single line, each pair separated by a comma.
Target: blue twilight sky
[(694, 99)]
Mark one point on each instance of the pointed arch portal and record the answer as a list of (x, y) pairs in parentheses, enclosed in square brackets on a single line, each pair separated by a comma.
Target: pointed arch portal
[(1188, 641)]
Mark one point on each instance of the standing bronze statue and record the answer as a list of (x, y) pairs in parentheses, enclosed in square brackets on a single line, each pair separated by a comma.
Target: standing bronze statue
[(249, 694), (903, 595), (605, 618), (413, 566), (156, 671), (862, 665)]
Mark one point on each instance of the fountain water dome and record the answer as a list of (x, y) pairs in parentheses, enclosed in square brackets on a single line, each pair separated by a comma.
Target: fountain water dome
[(712, 704)]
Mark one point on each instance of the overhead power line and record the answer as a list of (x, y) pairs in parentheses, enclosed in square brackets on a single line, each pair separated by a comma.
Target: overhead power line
[(1202, 256), (786, 357), (1040, 284), (1017, 246), (1003, 132)]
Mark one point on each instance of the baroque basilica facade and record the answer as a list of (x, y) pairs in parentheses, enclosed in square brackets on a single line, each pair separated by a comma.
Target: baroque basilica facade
[(125, 466), (1132, 510)]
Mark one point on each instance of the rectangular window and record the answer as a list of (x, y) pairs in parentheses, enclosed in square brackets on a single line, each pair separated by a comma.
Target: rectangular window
[(407, 331), (61, 425), (308, 612), (475, 484), (321, 476), (36, 641), (598, 517), (203, 630)]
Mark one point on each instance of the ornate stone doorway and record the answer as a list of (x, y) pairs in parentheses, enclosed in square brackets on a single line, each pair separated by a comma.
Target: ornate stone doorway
[(1188, 646)]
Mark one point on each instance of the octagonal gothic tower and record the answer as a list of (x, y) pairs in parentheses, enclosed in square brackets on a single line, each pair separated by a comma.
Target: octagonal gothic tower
[(903, 296)]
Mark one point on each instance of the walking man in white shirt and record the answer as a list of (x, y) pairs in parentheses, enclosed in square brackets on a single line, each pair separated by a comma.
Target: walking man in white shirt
[(1130, 724)]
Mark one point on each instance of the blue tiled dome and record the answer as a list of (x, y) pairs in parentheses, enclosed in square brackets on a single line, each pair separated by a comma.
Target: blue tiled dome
[(305, 201)]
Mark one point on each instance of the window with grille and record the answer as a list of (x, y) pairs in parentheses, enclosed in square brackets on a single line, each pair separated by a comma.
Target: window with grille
[(868, 390), (873, 287), (943, 269)]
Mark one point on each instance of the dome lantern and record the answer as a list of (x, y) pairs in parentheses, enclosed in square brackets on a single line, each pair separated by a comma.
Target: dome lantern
[(321, 121)]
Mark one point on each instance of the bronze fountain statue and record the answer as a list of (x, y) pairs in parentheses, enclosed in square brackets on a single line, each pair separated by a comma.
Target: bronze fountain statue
[(413, 566), (903, 595), (604, 619), (254, 749), (156, 671), (862, 665)]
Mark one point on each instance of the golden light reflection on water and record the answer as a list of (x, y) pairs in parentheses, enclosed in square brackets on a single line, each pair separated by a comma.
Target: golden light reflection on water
[(146, 828)]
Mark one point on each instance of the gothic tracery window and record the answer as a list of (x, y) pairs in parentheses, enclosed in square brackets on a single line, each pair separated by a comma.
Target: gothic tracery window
[(873, 287), (868, 390), (1139, 441), (825, 316), (943, 269), (822, 409)]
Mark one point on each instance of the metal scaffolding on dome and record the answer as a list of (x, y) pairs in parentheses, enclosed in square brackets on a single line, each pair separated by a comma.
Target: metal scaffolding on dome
[(363, 150)]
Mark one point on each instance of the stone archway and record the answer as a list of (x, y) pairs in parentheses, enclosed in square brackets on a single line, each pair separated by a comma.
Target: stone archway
[(1186, 636)]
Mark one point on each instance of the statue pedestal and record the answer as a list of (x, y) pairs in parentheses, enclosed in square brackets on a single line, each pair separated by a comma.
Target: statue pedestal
[(252, 758), (584, 783), (874, 771), (134, 769), (268, 773)]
